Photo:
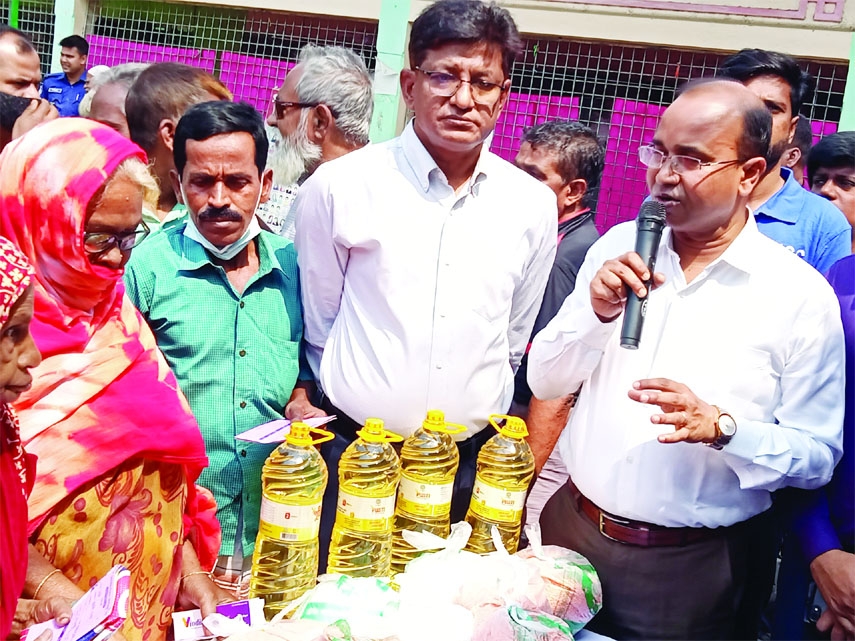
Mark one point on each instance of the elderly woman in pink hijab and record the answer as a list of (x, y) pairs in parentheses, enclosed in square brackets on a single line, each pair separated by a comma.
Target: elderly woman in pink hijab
[(119, 450)]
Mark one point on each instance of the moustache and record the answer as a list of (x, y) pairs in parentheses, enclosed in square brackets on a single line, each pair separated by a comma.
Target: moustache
[(220, 213)]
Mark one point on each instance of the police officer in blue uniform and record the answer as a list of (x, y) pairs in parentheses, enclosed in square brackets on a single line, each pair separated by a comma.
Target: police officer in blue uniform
[(65, 90)]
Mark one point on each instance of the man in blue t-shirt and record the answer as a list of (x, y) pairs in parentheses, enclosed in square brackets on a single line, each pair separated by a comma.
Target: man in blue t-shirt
[(804, 223), (831, 170), (65, 90)]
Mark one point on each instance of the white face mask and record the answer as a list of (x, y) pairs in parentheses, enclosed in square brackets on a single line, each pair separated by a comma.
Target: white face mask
[(229, 251)]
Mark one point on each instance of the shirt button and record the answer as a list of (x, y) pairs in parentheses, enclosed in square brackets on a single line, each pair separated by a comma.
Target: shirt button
[(243, 403), (242, 304), (242, 352), (243, 453), (439, 366)]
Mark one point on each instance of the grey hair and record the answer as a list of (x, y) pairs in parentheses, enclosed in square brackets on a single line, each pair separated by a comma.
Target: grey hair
[(124, 74), (338, 78), (138, 173)]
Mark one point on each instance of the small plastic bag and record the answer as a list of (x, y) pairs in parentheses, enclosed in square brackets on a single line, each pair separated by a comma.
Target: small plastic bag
[(571, 584), (368, 605)]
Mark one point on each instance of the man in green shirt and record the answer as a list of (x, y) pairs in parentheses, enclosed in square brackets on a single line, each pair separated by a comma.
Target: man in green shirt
[(223, 300)]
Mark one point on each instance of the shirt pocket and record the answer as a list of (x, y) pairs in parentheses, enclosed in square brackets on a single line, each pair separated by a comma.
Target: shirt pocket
[(279, 372)]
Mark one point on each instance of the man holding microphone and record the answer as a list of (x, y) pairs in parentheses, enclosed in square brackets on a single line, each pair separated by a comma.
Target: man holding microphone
[(735, 388)]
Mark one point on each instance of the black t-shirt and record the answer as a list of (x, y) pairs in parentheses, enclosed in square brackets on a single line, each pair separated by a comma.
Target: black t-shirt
[(576, 236)]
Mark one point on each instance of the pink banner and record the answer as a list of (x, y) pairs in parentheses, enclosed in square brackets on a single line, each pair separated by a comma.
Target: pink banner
[(624, 184), (253, 80), (111, 52), (524, 110)]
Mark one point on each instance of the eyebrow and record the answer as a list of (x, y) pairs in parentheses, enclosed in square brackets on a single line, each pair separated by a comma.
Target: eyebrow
[(774, 103), (683, 150)]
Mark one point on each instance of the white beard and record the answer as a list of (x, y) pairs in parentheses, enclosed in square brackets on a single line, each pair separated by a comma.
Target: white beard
[(295, 155)]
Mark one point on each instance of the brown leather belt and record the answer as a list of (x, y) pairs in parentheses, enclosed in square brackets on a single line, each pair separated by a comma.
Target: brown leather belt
[(638, 533)]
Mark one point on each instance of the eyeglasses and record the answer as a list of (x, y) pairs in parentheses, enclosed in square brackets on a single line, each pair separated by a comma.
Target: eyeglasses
[(447, 84), (281, 105), (96, 242), (651, 157)]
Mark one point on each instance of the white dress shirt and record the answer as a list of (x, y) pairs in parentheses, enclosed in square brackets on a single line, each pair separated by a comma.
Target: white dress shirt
[(757, 333), (415, 297)]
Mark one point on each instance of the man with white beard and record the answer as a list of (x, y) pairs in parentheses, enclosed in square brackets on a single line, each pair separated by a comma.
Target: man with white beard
[(323, 111)]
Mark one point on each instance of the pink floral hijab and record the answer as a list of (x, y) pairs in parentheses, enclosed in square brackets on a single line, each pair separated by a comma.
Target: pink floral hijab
[(103, 393)]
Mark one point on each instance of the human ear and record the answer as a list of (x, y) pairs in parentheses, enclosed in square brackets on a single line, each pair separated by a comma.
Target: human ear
[(166, 133), (266, 185), (175, 179), (752, 171), (573, 192), (408, 84), (320, 123), (793, 122)]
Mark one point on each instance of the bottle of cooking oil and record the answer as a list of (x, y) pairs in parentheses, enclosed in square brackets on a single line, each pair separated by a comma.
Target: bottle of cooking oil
[(368, 474), (285, 561), (429, 461), (503, 473)]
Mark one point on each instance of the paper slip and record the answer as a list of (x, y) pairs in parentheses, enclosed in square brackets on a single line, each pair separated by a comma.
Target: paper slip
[(98, 613), (276, 431), (187, 626)]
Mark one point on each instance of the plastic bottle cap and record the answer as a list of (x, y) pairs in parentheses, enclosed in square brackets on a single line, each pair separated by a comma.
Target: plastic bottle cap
[(514, 426), (373, 432), (434, 418), (435, 422), (299, 434)]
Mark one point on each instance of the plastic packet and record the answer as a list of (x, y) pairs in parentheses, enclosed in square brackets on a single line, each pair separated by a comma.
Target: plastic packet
[(571, 584), (368, 605)]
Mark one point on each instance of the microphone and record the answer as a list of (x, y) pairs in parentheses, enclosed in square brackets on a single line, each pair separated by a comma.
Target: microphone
[(650, 221)]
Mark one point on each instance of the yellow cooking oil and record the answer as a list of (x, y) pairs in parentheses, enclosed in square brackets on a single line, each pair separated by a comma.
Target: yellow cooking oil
[(429, 462), (285, 561), (368, 474), (503, 472)]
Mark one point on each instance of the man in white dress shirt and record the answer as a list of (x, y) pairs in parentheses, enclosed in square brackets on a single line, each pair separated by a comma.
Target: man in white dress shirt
[(423, 260), (735, 391)]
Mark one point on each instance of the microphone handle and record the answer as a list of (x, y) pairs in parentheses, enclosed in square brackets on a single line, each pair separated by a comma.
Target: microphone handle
[(646, 246)]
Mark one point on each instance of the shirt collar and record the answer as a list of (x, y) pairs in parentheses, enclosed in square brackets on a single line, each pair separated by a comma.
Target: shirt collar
[(740, 254), (424, 166), (785, 204), (194, 256)]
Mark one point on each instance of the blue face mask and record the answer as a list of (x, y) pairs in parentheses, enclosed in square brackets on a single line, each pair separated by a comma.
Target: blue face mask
[(229, 251)]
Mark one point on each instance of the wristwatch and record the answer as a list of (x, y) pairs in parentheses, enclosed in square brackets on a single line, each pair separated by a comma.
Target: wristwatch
[(725, 428)]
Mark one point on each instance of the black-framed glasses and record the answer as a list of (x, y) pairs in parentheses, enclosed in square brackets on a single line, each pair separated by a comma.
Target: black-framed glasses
[(446, 85), (96, 242), (651, 157), (280, 106)]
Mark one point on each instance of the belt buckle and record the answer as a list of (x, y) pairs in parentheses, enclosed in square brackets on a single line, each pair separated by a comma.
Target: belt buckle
[(602, 530)]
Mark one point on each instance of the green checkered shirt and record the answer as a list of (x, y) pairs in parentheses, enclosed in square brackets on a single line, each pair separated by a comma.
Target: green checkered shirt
[(236, 356)]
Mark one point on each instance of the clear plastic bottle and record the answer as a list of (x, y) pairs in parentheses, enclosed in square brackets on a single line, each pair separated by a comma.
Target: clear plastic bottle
[(503, 473), (368, 474), (429, 462), (293, 480)]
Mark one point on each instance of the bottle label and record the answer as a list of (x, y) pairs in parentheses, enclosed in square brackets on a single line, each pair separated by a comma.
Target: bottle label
[(424, 499), (364, 514), (496, 503), (289, 522)]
